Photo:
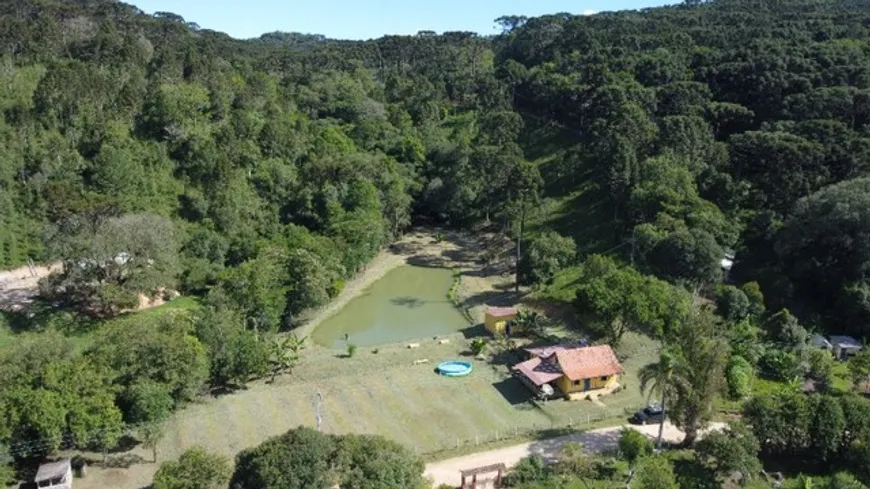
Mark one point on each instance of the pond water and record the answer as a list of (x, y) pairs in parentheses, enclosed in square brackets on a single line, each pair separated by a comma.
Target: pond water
[(409, 302)]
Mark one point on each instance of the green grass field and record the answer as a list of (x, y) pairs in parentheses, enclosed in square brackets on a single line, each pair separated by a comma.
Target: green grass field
[(384, 393)]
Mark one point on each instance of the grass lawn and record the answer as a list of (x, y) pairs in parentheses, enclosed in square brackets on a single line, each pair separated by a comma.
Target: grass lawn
[(384, 393), (573, 202)]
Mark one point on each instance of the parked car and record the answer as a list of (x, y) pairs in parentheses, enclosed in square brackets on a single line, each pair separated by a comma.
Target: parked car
[(649, 414)]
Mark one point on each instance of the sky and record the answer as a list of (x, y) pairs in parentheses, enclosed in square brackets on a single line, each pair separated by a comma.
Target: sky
[(367, 19)]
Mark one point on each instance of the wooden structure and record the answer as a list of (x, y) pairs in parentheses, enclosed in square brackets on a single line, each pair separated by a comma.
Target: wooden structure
[(54, 475), (499, 469), (578, 371), (501, 321)]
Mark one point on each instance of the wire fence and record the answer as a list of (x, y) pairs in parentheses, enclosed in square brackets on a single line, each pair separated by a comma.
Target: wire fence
[(519, 434)]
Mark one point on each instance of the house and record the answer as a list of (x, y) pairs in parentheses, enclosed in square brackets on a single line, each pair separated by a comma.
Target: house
[(577, 371), (844, 347), (54, 475), (501, 321)]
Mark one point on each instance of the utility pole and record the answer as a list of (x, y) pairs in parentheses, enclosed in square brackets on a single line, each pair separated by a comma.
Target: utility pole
[(318, 409)]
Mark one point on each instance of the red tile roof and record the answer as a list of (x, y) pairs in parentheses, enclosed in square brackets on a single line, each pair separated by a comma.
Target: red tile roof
[(575, 363), (588, 362), (501, 312), (546, 351)]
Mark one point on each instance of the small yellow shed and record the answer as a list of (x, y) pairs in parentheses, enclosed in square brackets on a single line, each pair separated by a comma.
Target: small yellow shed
[(501, 321)]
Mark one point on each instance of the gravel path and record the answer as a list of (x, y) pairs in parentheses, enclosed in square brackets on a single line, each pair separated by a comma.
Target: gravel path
[(594, 441)]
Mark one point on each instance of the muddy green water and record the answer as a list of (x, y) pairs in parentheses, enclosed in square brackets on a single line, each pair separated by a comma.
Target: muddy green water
[(407, 303)]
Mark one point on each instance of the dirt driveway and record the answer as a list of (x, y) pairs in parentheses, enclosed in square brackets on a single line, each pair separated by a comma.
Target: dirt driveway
[(594, 441)]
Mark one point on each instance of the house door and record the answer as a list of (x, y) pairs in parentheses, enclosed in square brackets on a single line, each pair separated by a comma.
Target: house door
[(586, 384)]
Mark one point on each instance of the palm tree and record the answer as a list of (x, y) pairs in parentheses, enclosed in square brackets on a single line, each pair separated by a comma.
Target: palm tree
[(660, 378), (285, 353)]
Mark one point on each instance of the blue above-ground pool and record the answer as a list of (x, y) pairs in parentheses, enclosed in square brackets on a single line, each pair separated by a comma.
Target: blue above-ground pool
[(454, 368)]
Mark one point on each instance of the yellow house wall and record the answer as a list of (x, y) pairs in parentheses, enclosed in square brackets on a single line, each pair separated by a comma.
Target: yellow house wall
[(568, 387), (496, 325)]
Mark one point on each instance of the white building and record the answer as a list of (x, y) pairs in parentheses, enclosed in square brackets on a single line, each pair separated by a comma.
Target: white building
[(54, 475), (844, 346)]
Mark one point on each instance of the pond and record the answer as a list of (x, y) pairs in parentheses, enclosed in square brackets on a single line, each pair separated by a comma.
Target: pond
[(409, 302)]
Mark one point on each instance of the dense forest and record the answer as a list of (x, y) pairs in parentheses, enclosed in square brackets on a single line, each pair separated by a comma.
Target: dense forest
[(148, 154)]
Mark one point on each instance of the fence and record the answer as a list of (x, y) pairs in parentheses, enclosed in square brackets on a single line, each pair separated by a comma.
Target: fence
[(519, 434)]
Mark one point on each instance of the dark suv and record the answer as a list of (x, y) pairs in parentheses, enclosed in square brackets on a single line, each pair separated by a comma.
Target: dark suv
[(649, 414)]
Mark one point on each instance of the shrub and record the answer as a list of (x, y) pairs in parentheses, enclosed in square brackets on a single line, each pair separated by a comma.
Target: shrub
[(634, 445), (351, 350), (304, 458), (731, 303), (195, 469), (478, 345), (529, 469), (752, 291), (821, 366), (739, 377), (783, 327), (781, 365)]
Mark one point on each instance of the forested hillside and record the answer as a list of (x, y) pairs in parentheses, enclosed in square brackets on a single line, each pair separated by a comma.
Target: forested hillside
[(147, 153), (702, 126)]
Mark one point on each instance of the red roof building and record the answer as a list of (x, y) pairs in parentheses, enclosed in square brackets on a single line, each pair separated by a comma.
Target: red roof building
[(572, 369)]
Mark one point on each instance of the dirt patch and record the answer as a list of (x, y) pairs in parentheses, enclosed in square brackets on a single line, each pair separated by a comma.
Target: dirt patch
[(20, 286)]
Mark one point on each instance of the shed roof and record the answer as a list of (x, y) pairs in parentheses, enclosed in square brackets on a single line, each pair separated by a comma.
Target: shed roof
[(501, 312), (53, 470)]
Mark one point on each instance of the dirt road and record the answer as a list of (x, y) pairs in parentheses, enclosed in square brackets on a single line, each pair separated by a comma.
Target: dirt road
[(594, 441)]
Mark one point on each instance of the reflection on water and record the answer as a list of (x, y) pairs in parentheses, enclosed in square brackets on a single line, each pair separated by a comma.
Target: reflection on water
[(409, 302)]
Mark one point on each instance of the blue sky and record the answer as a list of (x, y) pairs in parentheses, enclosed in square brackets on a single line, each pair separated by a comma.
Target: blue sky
[(365, 19)]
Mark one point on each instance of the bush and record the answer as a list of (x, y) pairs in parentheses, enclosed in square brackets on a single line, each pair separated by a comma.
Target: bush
[(304, 458), (634, 445), (655, 473), (844, 480), (351, 350), (821, 366), (739, 376), (752, 291), (478, 345), (783, 327), (731, 303), (544, 256), (195, 469), (529, 469), (781, 365)]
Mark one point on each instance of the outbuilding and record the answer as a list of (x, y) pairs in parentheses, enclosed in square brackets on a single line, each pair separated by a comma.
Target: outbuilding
[(54, 475), (844, 347), (501, 321)]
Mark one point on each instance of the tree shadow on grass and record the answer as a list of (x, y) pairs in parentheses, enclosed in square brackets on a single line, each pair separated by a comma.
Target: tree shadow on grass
[(476, 331), (514, 392), (494, 298)]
